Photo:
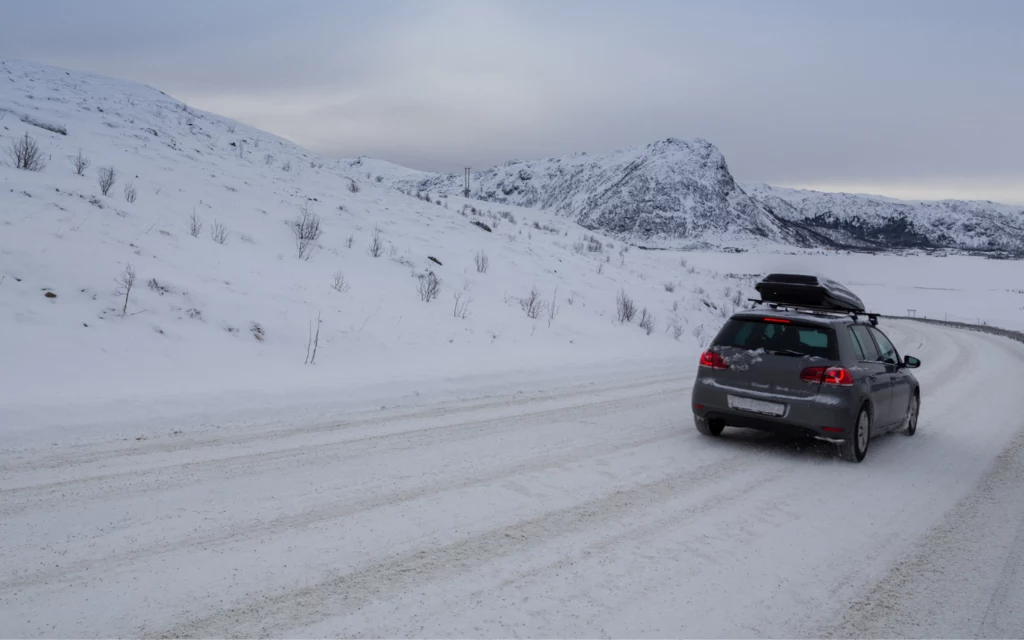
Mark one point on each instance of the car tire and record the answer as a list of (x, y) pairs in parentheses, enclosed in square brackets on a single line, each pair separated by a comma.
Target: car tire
[(855, 447), (913, 411), (708, 427)]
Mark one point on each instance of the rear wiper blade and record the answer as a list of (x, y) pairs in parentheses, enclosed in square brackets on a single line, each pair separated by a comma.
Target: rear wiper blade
[(784, 352)]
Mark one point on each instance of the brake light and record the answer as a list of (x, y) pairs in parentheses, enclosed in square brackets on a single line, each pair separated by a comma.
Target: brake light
[(778, 320), (832, 429), (713, 360), (827, 375)]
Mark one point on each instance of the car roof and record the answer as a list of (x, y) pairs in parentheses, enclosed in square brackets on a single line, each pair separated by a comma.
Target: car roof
[(805, 316)]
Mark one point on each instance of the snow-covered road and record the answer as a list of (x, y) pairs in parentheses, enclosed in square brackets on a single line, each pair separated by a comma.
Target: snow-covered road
[(588, 510)]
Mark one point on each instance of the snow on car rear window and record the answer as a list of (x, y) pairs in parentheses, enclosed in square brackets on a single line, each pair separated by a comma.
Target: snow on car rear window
[(755, 333)]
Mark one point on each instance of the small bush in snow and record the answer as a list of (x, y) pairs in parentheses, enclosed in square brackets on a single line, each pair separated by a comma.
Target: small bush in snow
[(462, 302), (349, 241), (428, 286), (532, 305), (125, 281), (194, 225), (195, 314), (670, 287), (130, 192), (482, 225), (80, 163), (482, 261), (339, 284), (307, 231), (231, 127), (159, 288), (737, 298), (219, 233), (647, 321), (379, 179), (376, 243), (677, 329), (578, 248), (625, 307), (353, 186), (55, 128), (106, 176), (268, 159), (257, 331), (26, 154), (594, 245), (287, 166)]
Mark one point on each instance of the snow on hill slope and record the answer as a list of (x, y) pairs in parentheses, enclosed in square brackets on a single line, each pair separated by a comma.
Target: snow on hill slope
[(676, 193), (875, 222), (670, 193), (207, 319)]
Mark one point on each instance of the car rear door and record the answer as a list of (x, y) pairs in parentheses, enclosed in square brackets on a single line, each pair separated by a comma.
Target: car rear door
[(766, 356), (898, 378), (874, 370)]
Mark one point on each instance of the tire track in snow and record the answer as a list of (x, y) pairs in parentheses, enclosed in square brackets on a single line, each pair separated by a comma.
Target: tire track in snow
[(24, 460), (341, 591), (19, 499)]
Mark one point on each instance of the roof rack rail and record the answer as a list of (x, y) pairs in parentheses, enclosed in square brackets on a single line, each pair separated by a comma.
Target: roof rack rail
[(872, 317)]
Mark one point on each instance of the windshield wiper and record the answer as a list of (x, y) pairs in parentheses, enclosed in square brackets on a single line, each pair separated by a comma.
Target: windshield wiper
[(784, 352)]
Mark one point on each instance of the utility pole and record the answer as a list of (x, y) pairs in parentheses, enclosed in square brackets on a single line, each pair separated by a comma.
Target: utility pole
[(465, 183)]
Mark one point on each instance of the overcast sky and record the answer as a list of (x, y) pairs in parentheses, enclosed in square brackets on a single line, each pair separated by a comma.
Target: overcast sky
[(906, 98)]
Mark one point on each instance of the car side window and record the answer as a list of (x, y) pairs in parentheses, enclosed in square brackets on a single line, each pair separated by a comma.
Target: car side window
[(857, 348), (885, 347), (867, 346)]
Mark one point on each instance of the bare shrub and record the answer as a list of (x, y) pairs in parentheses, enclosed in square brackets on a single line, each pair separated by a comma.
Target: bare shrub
[(647, 321), (532, 305), (670, 287), (578, 247), (349, 241), (307, 231), (376, 243), (125, 281), (600, 269), (462, 302), (625, 307), (162, 289), (482, 261), (483, 225), (130, 192), (107, 176), (737, 298), (340, 284), (26, 154), (231, 127), (428, 286), (194, 224), (553, 307), (353, 186), (594, 245), (80, 163), (268, 159), (314, 341), (219, 233), (677, 329), (287, 166)]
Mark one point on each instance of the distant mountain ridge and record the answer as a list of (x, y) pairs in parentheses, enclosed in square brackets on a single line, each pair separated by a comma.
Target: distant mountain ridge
[(680, 194)]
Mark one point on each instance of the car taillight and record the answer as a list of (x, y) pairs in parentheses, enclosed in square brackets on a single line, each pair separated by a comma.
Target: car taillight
[(713, 360), (827, 375)]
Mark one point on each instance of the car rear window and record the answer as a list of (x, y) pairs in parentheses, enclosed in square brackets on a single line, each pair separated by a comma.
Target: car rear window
[(780, 335)]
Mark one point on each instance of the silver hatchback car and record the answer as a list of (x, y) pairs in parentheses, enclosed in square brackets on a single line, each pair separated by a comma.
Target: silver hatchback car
[(827, 375)]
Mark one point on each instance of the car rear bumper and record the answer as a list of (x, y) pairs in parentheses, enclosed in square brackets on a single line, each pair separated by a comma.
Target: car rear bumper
[(818, 416)]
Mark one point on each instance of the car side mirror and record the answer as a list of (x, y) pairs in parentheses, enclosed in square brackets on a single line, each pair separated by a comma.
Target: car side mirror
[(911, 362)]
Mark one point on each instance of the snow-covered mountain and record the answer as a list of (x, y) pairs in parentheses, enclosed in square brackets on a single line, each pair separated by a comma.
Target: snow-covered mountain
[(677, 193), (667, 194), (875, 222)]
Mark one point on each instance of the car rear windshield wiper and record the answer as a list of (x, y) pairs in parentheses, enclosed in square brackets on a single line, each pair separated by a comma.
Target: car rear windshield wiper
[(785, 352)]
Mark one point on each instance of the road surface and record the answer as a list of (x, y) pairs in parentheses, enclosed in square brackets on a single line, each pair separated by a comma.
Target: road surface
[(589, 510)]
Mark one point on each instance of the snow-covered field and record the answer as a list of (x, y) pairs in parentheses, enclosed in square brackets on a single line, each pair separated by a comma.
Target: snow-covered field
[(590, 509), (445, 470)]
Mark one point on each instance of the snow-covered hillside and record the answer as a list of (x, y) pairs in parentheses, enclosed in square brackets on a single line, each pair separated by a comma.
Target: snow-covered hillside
[(671, 193), (208, 317), (875, 222), (680, 194)]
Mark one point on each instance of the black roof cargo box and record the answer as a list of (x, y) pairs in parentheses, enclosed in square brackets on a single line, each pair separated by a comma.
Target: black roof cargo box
[(807, 291)]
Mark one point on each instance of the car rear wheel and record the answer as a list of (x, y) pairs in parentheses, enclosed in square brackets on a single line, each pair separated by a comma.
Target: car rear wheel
[(912, 412), (709, 427), (856, 446)]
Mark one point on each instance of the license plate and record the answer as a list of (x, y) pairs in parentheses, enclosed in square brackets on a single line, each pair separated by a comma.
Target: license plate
[(757, 406)]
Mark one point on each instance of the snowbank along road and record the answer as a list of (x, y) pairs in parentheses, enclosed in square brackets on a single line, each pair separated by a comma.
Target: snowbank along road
[(590, 510)]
